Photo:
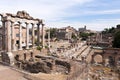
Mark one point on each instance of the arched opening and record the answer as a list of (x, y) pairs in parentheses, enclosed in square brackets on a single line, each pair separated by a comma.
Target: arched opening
[(111, 61), (98, 58)]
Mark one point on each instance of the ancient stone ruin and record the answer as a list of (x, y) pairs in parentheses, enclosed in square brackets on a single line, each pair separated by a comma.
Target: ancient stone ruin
[(16, 42), (45, 64)]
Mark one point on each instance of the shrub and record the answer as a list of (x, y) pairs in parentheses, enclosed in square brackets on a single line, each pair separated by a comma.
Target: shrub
[(39, 48)]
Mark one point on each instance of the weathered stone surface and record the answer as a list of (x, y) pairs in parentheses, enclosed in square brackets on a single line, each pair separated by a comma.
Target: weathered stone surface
[(62, 66), (37, 67), (23, 14)]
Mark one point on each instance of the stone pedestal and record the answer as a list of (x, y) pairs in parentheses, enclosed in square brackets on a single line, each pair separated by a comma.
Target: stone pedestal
[(11, 57), (7, 58)]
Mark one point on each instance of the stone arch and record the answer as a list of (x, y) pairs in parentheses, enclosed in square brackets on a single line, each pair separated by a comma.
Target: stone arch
[(98, 58), (94, 55)]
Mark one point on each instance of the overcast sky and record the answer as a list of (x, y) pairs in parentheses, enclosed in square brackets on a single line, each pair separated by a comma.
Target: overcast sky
[(95, 14)]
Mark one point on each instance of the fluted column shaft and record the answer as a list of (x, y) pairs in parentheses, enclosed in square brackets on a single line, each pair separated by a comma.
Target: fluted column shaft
[(8, 36), (3, 37), (27, 35), (49, 38), (43, 36), (33, 39), (13, 36), (38, 34), (20, 36)]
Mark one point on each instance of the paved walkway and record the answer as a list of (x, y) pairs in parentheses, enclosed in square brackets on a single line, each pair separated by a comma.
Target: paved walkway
[(6, 73)]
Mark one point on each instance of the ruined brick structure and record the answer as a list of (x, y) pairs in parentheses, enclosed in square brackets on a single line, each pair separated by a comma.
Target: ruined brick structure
[(110, 56)]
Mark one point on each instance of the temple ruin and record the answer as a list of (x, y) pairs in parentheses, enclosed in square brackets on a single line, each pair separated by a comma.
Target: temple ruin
[(8, 32)]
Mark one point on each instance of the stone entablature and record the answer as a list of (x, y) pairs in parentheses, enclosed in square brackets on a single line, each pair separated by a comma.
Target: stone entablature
[(21, 14)]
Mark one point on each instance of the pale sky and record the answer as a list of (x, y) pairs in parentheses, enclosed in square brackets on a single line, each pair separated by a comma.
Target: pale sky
[(95, 14)]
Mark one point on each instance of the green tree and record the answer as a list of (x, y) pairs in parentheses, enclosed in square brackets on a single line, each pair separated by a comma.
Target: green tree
[(53, 32), (39, 48), (90, 34), (112, 30), (83, 35), (74, 36), (108, 30), (116, 40)]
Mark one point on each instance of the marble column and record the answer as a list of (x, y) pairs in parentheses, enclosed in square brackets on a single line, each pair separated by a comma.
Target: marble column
[(33, 39), (20, 36), (27, 35), (49, 38), (43, 36), (13, 36), (38, 34), (8, 35), (9, 59), (3, 37)]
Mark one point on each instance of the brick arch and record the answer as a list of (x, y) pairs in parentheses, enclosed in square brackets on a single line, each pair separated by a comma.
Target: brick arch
[(94, 55), (111, 60)]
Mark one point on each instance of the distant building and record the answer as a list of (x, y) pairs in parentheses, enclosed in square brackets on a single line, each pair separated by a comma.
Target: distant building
[(82, 29), (118, 26), (66, 32)]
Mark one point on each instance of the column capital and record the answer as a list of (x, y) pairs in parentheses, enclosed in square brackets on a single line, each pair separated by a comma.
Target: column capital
[(43, 24), (2, 20), (26, 23), (33, 24), (40, 21), (19, 22), (38, 24), (7, 20), (12, 23)]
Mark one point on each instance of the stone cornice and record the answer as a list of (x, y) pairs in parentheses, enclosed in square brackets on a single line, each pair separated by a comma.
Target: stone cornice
[(21, 15)]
